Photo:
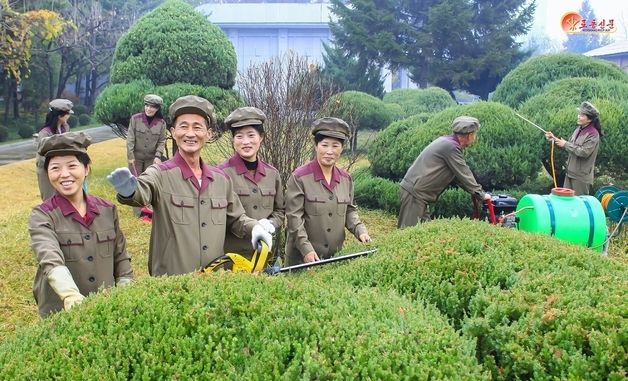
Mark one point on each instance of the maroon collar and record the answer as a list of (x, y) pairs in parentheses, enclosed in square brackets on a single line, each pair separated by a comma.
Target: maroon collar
[(187, 173), (68, 209), (153, 122), (453, 138), (236, 162), (318, 175), (588, 129)]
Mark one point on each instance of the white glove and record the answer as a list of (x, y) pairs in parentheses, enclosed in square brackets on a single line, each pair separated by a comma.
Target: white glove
[(124, 182), (63, 284), (267, 225), (123, 281), (260, 234)]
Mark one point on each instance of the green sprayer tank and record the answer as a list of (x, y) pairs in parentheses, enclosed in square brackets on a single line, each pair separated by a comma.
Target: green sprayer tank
[(576, 219)]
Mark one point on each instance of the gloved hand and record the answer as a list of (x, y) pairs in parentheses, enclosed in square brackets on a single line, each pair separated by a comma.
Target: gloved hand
[(124, 182), (267, 225), (487, 196), (123, 281), (63, 284), (260, 234)]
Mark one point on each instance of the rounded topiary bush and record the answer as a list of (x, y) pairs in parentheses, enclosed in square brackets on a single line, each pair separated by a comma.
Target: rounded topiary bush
[(555, 110), (539, 308), (118, 102), (416, 101), (73, 121), (174, 43), (363, 110), (239, 326), (25, 131), (84, 119), (4, 134), (80, 109), (502, 157), (531, 77)]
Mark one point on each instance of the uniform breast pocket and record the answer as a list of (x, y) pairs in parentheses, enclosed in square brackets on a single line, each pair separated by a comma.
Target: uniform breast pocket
[(71, 245), (342, 206), (181, 209), (314, 206), (219, 211), (268, 197), (155, 133), (106, 242)]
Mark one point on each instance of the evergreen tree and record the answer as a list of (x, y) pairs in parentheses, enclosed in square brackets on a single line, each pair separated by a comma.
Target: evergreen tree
[(350, 73), (583, 42)]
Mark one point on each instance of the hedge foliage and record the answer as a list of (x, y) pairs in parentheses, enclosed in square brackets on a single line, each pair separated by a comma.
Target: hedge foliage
[(174, 43), (417, 101), (555, 110), (537, 308), (503, 156), (25, 131), (531, 77), (118, 102), (229, 326), (364, 110)]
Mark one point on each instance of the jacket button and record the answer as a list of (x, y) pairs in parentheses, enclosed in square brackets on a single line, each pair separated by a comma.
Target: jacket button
[(92, 279), (331, 214), (204, 247), (90, 258), (202, 202), (328, 230), (87, 237), (254, 206), (331, 197), (203, 224), (254, 190)]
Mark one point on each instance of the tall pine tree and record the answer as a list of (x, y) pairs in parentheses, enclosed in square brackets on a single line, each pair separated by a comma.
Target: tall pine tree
[(350, 73)]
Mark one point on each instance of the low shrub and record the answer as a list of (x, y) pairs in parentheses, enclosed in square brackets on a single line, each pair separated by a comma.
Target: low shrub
[(235, 326), (73, 121), (84, 119), (362, 110), (4, 134), (80, 109), (25, 131), (538, 308), (417, 101)]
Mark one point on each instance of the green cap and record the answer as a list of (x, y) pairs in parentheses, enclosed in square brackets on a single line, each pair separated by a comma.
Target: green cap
[(63, 105), (332, 127), (586, 108), (69, 143), (153, 99), (465, 125), (191, 104), (245, 116)]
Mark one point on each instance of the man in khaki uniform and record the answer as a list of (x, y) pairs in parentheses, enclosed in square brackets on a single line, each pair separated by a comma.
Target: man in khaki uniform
[(583, 147), (193, 203), (319, 199), (435, 168), (257, 184), (146, 136), (76, 237)]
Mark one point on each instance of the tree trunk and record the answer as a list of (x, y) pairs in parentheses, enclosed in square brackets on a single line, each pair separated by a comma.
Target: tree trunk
[(16, 101), (93, 88), (78, 84)]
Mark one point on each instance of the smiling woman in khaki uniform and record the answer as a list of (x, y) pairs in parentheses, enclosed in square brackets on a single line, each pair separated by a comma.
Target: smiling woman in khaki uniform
[(76, 237), (319, 199), (194, 204), (256, 183), (146, 136)]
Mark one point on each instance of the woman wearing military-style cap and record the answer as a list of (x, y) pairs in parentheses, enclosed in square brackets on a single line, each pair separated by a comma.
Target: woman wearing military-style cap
[(194, 204), (257, 184), (582, 147), (146, 135), (76, 237), (319, 199), (59, 111)]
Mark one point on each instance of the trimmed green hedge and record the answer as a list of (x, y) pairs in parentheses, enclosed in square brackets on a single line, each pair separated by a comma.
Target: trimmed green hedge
[(538, 308), (555, 110), (235, 326), (118, 102), (504, 155), (417, 101), (531, 77), (365, 110), (174, 43)]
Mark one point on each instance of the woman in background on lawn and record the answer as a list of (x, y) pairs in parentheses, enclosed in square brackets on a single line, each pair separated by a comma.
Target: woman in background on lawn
[(76, 237), (146, 136), (319, 199), (56, 123)]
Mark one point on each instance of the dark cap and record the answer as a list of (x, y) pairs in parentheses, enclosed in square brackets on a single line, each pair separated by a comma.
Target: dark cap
[(245, 116), (332, 127), (586, 108), (69, 143), (153, 99), (465, 125), (62, 105), (191, 104)]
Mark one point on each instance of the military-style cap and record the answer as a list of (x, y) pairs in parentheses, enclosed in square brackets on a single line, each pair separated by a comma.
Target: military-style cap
[(586, 108), (245, 116), (332, 127), (153, 99), (69, 143), (465, 125), (191, 104), (60, 104)]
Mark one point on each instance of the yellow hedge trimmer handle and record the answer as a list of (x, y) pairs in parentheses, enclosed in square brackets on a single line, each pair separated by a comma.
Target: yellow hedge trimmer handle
[(239, 263)]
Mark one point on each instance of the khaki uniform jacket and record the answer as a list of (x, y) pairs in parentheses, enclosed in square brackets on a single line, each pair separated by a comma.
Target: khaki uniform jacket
[(93, 247), (145, 141), (317, 212), (582, 147), (436, 167), (189, 220), (45, 189), (261, 196)]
